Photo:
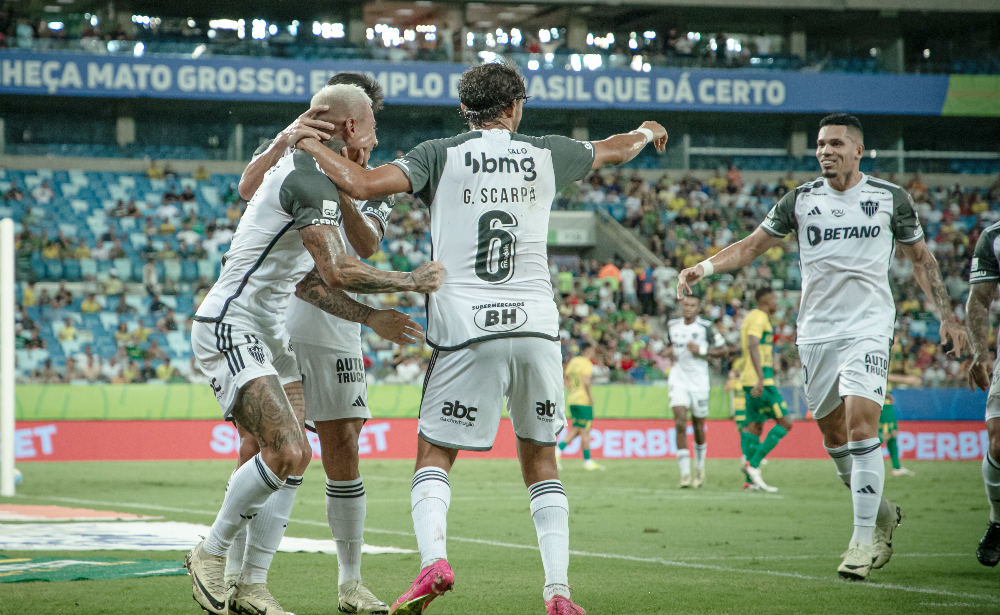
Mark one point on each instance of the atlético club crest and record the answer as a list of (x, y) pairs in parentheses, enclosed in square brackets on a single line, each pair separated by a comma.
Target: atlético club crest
[(256, 350), (870, 207)]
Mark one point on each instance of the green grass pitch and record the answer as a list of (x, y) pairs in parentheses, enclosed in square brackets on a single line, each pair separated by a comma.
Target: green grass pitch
[(640, 545)]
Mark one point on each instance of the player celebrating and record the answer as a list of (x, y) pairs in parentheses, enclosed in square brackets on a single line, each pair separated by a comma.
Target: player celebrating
[(493, 324), (581, 403), (692, 340), (763, 401), (848, 225), (983, 277), (328, 349), (240, 341)]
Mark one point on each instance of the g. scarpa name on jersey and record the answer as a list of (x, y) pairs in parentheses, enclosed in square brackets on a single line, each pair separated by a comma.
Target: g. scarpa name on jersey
[(514, 194)]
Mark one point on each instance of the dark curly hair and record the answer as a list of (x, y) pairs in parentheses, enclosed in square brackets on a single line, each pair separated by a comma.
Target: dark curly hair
[(366, 83), (488, 90)]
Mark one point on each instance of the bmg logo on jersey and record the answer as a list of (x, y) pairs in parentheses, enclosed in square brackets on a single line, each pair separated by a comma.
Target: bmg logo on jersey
[(815, 235), (459, 414), (500, 317), (502, 165), (546, 410)]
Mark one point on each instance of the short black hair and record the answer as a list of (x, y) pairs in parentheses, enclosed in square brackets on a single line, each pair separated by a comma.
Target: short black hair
[(363, 81), (488, 90), (767, 290), (585, 346), (843, 119)]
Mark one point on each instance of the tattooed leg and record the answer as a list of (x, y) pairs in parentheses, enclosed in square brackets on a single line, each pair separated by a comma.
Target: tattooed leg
[(264, 411)]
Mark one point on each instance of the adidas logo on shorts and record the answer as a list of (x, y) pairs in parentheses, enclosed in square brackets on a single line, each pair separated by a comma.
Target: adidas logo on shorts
[(358, 403)]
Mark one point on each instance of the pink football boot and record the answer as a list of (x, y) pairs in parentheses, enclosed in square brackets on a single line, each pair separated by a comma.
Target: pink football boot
[(560, 605), (432, 582)]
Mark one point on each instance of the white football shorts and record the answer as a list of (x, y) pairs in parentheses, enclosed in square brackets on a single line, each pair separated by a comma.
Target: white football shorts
[(232, 357), (833, 370), (334, 383), (696, 401), (464, 392)]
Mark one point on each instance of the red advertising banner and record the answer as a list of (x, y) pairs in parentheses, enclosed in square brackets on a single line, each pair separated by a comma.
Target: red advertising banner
[(396, 439)]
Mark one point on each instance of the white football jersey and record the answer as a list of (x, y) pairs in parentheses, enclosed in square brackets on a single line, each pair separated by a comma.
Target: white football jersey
[(846, 243), (689, 371), (490, 193), (308, 324), (267, 258)]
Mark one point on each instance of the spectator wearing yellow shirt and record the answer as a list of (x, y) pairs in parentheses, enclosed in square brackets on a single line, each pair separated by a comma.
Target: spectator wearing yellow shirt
[(142, 332), (81, 251), (51, 250), (164, 371), (201, 174), (676, 203), (90, 305), (68, 332), (154, 171), (28, 296)]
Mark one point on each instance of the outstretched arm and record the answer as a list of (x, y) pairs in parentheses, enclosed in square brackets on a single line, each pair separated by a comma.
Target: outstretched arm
[(928, 277), (352, 178), (977, 323), (304, 126), (619, 149), (736, 256)]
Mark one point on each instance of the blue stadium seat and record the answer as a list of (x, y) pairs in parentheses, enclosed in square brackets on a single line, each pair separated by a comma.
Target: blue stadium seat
[(71, 270)]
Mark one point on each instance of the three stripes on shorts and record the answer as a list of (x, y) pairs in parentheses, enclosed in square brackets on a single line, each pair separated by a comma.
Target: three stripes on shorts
[(224, 344)]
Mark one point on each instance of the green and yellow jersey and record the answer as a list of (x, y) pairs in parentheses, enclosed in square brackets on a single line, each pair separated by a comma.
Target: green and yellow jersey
[(578, 373), (757, 324)]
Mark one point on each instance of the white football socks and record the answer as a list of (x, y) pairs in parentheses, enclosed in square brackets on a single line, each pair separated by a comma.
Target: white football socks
[(249, 488), (234, 559), (867, 479), (550, 512), (430, 496), (842, 458), (266, 530), (346, 504), (700, 452), (684, 460), (991, 478)]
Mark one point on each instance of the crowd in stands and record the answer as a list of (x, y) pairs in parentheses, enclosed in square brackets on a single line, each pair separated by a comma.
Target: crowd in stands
[(113, 266)]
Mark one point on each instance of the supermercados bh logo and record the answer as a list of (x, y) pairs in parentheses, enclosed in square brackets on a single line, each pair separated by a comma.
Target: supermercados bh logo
[(502, 165), (500, 317)]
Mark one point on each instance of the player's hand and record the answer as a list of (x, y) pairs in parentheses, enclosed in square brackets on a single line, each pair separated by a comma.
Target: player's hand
[(758, 389), (396, 327), (659, 135), (688, 278), (953, 332), (693, 347), (360, 158), (980, 370), (428, 277), (307, 126)]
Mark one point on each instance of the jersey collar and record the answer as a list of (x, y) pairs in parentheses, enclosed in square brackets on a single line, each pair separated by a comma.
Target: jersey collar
[(850, 191)]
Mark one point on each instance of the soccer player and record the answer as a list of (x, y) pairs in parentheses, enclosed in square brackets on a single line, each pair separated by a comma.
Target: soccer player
[(692, 340), (493, 325), (581, 403), (328, 349), (241, 343), (848, 226), (983, 277), (763, 400)]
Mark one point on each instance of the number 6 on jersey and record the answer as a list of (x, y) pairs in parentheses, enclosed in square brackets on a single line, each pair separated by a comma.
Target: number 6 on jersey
[(495, 248)]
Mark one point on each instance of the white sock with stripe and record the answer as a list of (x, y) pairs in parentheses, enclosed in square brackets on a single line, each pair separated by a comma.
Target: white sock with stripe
[(550, 512), (249, 488), (346, 504), (867, 480), (234, 559), (430, 496), (266, 530), (684, 460), (991, 478)]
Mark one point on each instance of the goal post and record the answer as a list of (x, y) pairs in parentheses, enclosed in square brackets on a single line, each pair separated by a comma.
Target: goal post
[(6, 357)]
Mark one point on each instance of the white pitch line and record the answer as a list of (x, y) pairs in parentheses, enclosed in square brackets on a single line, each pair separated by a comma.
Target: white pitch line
[(803, 557), (615, 556)]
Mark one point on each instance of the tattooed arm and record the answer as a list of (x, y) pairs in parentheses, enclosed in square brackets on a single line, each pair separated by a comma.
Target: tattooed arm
[(339, 271), (977, 322), (388, 324), (928, 276)]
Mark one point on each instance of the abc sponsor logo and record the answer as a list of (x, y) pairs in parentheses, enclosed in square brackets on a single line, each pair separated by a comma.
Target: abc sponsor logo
[(458, 413), (500, 320), (546, 410)]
